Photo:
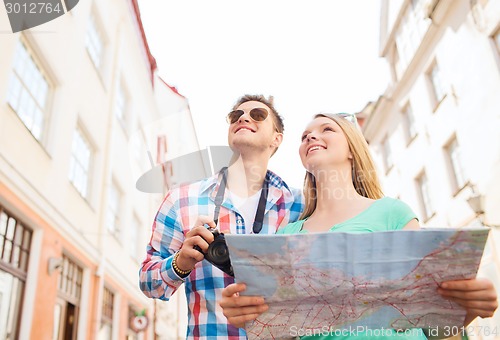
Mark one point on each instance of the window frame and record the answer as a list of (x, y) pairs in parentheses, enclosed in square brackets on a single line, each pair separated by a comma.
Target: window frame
[(458, 175), (25, 89), (122, 92), (409, 123), (139, 147), (387, 154), (424, 195), (133, 235), (95, 33), (108, 305), (436, 84), (69, 293), (116, 211), (16, 270), (79, 131), (411, 32)]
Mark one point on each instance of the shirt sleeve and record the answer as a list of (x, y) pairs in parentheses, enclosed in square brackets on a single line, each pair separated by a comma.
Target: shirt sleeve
[(297, 205), (401, 214), (157, 278)]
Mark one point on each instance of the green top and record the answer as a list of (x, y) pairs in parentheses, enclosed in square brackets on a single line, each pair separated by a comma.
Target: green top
[(382, 215)]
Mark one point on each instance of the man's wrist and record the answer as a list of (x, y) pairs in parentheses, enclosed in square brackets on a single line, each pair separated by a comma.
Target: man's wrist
[(181, 273)]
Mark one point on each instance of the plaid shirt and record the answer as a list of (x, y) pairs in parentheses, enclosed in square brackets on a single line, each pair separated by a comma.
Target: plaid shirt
[(204, 285)]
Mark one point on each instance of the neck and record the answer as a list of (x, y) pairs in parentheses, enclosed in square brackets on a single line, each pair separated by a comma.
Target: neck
[(246, 174), (335, 190)]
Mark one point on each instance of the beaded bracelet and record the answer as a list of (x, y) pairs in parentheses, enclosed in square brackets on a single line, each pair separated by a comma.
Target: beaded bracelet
[(178, 271)]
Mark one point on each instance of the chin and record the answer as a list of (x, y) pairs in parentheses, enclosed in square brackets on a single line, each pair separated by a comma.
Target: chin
[(242, 144), (313, 167), (310, 167)]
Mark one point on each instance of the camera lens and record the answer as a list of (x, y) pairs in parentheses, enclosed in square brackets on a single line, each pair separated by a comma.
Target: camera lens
[(218, 253)]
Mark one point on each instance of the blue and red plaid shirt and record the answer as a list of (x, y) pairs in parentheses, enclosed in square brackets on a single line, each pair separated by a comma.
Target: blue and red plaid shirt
[(176, 216)]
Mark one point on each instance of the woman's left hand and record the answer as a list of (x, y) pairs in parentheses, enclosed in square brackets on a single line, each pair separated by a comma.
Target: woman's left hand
[(477, 296)]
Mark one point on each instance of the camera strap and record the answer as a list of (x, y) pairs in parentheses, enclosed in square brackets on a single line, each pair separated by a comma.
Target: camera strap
[(259, 215)]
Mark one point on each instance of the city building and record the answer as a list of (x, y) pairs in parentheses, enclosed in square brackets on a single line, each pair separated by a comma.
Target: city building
[(434, 132), (83, 114)]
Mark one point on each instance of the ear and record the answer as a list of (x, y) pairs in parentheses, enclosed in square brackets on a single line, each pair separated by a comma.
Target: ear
[(278, 139), (349, 156)]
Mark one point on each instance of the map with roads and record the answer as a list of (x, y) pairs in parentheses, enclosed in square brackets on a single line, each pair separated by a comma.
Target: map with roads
[(348, 280)]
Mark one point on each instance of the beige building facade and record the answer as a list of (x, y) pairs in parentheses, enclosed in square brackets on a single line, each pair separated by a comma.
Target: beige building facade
[(434, 132), (83, 114)]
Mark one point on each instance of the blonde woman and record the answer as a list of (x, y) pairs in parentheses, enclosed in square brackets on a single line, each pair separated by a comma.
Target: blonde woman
[(342, 193)]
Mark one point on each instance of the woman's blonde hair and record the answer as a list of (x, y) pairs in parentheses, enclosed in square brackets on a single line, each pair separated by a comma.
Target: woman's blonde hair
[(364, 176)]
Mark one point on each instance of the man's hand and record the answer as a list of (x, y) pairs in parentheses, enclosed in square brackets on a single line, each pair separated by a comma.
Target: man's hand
[(477, 296), (240, 309), (199, 236)]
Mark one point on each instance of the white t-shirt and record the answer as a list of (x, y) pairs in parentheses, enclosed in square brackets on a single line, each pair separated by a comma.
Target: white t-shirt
[(247, 207)]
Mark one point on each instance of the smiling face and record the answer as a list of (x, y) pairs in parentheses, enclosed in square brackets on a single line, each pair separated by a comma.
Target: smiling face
[(324, 145), (248, 134)]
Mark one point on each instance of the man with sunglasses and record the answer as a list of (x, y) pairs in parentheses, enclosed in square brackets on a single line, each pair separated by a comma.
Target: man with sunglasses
[(244, 198)]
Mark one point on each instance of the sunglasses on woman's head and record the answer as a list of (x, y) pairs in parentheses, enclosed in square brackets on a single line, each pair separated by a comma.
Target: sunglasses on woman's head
[(351, 117), (257, 114)]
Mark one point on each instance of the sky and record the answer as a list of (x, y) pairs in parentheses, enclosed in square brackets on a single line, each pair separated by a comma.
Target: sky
[(314, 56)]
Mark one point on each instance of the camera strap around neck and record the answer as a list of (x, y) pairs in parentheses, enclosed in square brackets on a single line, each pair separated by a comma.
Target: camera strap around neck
[(259, 215)]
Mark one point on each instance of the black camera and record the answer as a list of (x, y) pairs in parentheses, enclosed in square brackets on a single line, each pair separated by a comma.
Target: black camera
[(217, 253)]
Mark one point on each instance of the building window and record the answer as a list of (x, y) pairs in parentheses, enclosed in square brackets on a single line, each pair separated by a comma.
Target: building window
[(81, 155), (70, 280), (387, 154), (121, 104), (133, 235), (15, 244), (113, 214), (459, 178), (28, 91), (409, 123), (411, 31), (139, 147), (106, 330), (67, 306), (436, 82), (95, 42), (425, 197)]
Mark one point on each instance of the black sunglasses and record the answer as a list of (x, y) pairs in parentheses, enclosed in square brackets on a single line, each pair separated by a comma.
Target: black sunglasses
[(258, 114)]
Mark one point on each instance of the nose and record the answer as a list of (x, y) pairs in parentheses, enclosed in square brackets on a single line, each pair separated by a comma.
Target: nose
[(245, 117), (311, 137)]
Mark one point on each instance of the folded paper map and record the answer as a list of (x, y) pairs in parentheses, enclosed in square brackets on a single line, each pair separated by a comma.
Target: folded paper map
[(346, 280)]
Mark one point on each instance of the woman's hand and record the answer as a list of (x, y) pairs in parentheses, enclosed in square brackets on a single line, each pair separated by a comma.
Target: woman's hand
[(241, 309), (477, 296)]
